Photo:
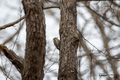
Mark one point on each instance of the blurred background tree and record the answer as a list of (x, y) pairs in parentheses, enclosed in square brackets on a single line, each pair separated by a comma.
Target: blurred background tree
[(98, 52)]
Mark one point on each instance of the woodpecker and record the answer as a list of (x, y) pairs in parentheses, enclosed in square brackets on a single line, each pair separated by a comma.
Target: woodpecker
[(56, 43)]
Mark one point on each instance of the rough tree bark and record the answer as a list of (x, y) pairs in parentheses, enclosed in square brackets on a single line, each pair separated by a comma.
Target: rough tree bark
[(35, 42), (68, 41)]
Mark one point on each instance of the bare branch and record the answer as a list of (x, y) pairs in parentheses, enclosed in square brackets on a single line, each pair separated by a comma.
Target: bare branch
[(15, 22), (4, 72), (111, 22), (51, 7), (11, 55), (14, 34), (12, 23), (114, 3)]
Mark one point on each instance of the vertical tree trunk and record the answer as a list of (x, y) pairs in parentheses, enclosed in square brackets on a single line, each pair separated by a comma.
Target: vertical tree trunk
[(35, 42), (68, 41)]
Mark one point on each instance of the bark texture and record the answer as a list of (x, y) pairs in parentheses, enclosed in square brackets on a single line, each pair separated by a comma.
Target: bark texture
[(68, 41), (35, 42)]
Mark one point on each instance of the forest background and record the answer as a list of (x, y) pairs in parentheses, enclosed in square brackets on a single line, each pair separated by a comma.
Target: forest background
[(99, 23)]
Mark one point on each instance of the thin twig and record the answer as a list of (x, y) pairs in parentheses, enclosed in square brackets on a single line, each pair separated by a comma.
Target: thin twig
[(14, 34), (4, 72), (51, 7), (106, 19)]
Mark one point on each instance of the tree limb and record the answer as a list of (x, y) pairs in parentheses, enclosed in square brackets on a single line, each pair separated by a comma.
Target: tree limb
[(11, 24), (11, 55)]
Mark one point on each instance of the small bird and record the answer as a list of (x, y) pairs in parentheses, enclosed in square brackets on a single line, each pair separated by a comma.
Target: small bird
[(56, 43)]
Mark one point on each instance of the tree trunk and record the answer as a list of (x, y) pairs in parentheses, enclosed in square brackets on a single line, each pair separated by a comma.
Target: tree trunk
[(68, 41), (35, 42)]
